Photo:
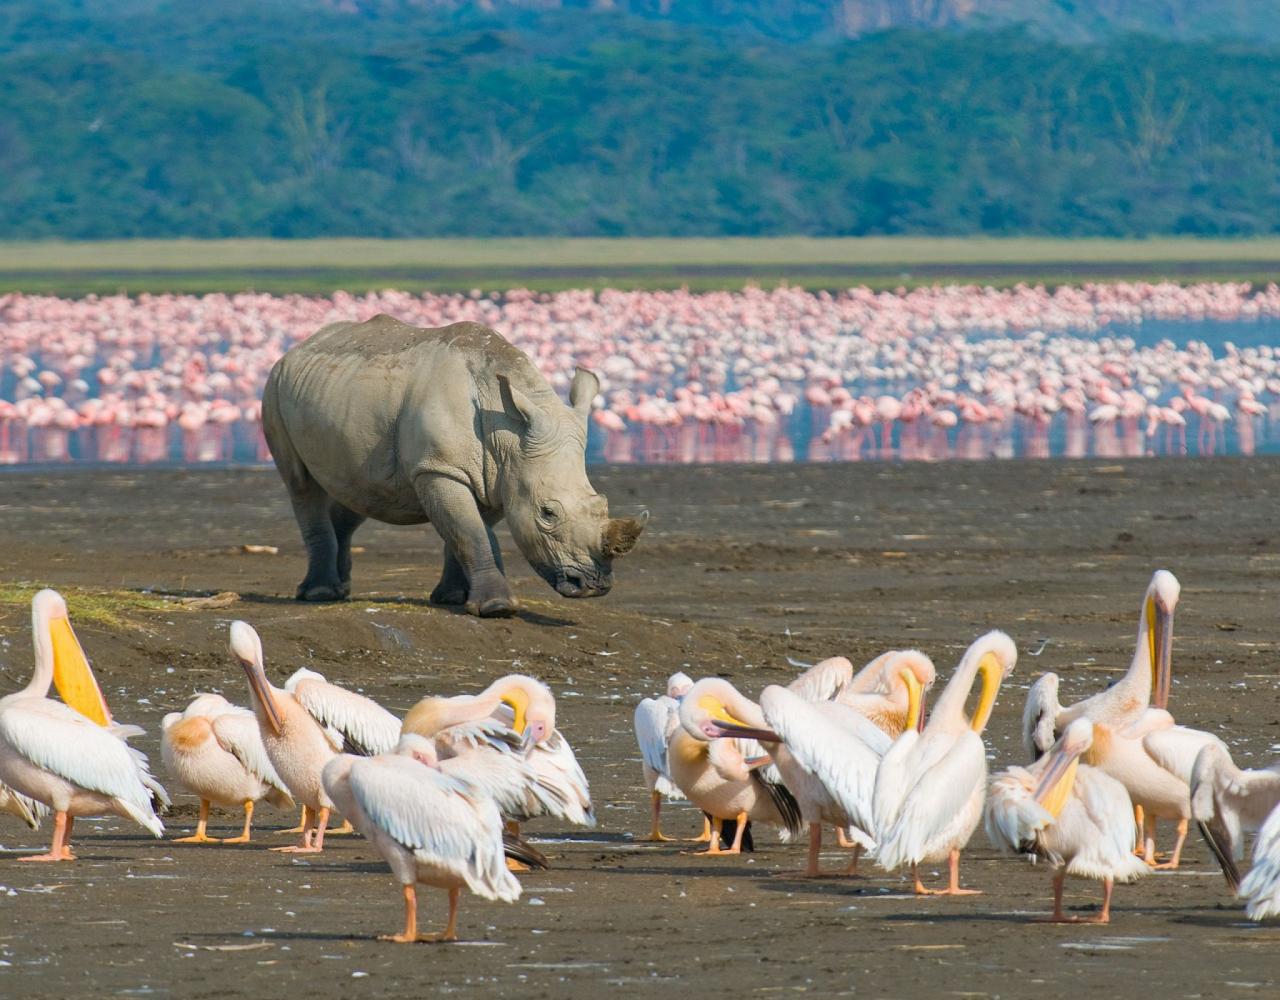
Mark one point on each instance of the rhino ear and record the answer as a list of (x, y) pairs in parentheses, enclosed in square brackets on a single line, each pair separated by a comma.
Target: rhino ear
[(583, 391), (535, 425)]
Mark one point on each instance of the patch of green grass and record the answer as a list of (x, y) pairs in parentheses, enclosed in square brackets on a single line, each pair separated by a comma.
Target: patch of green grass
[(359, 265), (107, 608)]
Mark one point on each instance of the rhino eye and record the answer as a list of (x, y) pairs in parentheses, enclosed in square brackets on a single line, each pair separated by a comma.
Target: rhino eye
[(549, 513)]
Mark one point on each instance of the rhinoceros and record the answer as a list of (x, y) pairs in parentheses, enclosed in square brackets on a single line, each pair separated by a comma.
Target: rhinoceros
[(452, 426)]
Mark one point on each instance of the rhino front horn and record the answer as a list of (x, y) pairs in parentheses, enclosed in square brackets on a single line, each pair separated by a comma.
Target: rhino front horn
[(620, 534)]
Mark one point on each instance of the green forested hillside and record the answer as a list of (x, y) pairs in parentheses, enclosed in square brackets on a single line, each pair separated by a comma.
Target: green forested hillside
[(233, 118)]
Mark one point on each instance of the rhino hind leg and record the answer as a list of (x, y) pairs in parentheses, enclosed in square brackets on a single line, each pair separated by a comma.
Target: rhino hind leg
[(470, 546), (345, 521), (313, 509)]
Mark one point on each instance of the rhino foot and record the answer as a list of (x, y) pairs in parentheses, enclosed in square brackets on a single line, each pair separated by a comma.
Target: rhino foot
[(494, 607), (322, 592)]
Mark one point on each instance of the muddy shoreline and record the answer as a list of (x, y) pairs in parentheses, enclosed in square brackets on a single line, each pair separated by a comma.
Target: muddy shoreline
[(741, 568)]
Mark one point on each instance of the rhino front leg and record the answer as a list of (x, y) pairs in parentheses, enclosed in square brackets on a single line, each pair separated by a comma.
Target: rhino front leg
[(451, 591), (470, 544)]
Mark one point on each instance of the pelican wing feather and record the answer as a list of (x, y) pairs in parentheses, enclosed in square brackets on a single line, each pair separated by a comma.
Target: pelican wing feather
[(1175, 749), (65, 743), (239, 735), (1261, 887), (656, 720), (837, 750), (1013, 818), (366, 728), (26, 809), (823, 681)]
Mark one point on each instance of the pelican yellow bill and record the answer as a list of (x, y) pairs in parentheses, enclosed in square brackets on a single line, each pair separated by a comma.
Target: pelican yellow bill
[(72, 675)]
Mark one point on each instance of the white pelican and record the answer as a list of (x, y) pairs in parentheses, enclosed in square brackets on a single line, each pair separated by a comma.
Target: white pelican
[(1261, 887), (1147, 680), (1227, 802), (877, 692), (514, 711), (353, 722), (53, 753), (708, 765), (1138, 728), (430, 826), (931, 784), (1076, 817), (827, 754), (885, 697), (297, 746), (214, 749), (1125, 755), (656, 719)]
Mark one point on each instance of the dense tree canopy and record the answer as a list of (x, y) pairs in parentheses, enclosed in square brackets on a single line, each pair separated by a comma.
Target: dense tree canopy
[(251, 119)]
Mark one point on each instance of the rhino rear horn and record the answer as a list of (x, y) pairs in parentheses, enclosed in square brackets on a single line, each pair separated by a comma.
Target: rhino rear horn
[(620, 534)]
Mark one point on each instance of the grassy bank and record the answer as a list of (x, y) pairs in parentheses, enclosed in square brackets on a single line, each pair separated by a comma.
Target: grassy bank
[(324, 265)]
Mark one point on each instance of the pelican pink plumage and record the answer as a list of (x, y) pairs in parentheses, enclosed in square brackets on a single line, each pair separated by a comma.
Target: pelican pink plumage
[(297, 746)]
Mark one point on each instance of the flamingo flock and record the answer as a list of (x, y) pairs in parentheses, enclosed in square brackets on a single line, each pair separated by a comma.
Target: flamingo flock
[(750, 376)]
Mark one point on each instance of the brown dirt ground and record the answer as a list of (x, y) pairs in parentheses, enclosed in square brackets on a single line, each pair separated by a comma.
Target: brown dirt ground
[(741, 568)]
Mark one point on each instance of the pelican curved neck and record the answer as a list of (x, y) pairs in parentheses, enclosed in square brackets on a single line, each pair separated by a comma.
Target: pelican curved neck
[(1139, 679), (871, 677), (432, 716), (741, 707), (950, 706), (42, 675)]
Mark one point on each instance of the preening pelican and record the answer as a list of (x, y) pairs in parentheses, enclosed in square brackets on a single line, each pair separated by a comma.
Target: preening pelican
[(707, 764), (429, 826), (886, 696), (1074, 816), (931, 785), (828, 755), (513, 712), (214, 749), (1227, 802), (656, 720), (354, 723), (297, 746), (1146, 682), (70, 757)]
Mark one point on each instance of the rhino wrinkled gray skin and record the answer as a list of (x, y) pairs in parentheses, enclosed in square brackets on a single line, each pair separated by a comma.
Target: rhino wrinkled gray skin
[(453, 426)]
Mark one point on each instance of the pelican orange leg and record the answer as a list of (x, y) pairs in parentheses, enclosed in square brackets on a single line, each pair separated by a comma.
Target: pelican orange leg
[(60, 850), (200, 837)]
